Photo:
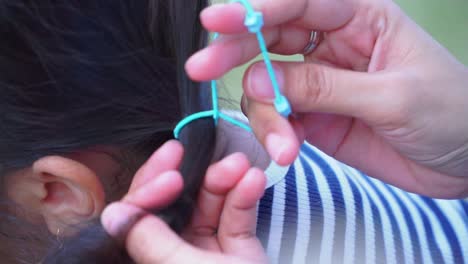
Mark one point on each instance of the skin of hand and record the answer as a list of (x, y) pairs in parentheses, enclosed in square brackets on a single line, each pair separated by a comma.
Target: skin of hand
[(222, 229), (378, 93)]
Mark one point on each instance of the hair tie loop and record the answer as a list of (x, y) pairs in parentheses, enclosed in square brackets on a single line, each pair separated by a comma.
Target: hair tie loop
[(254, 23), (190, 119)]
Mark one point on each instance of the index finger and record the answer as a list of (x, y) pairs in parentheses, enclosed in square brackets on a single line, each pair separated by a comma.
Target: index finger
[(165, 158), (312, 14)]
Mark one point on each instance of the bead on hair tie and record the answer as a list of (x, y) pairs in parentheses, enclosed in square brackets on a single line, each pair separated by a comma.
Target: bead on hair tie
[(254, 23)]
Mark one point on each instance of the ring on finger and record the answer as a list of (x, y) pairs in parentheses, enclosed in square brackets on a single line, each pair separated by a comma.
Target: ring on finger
[(315, 39)]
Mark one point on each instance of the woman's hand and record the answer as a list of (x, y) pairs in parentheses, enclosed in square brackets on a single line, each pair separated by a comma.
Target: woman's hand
[(222, 229), (378, 93)]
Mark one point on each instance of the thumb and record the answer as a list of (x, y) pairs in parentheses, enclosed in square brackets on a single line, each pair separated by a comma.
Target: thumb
[(149, 239), (317, 88)]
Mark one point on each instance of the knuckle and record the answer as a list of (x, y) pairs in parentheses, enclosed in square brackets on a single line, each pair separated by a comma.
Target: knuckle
[(313, 86), (204, 231), (239, 235)]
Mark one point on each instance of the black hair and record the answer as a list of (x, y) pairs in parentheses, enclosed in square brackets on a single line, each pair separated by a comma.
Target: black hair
[(77, 74)]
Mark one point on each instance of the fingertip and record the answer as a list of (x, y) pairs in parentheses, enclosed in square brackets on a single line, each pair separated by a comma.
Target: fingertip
[(236, 160), (249, 189), (173, 150), (107, 216), (118, 218), (174, 144), (167, 157), (282, 149), (223, 175), (157, 192), (257, 177), (194, 66), (170, 150), (207, 64), (275, 133), (224, 18)]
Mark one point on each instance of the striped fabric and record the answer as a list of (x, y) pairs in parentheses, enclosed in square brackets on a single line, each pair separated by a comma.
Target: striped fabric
[(321, 211)]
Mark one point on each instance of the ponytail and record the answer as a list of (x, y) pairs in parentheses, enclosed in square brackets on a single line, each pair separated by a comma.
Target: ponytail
[(186, 36)]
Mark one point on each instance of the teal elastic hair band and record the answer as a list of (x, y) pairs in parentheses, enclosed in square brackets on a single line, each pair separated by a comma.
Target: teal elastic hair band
[(254, 23)]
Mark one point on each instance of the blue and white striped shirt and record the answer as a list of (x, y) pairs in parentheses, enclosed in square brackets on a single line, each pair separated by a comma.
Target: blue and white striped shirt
[(319, 210)]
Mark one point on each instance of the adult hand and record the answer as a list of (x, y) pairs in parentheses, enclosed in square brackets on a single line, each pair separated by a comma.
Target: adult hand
[(378, 93), (222, 229)]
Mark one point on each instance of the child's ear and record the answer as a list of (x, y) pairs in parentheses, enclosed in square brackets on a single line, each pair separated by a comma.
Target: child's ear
[(64, 191)]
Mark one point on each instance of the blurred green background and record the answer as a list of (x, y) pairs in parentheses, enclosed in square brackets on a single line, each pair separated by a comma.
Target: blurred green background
[(446, 21)]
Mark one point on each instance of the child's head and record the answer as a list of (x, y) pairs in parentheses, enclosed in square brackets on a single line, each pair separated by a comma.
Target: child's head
[(88, 90)]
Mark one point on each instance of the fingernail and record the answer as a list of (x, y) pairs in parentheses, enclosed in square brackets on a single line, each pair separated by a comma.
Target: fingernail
[(259, 82), (244, 104), (215, 7), (198, 58), (258, 3), (118, 218), (276, 146)]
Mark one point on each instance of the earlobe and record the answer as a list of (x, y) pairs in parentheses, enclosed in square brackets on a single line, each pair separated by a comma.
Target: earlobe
[(71, 192)]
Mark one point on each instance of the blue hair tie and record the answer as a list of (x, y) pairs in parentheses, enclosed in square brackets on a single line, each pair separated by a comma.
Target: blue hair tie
[(254, 23)]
